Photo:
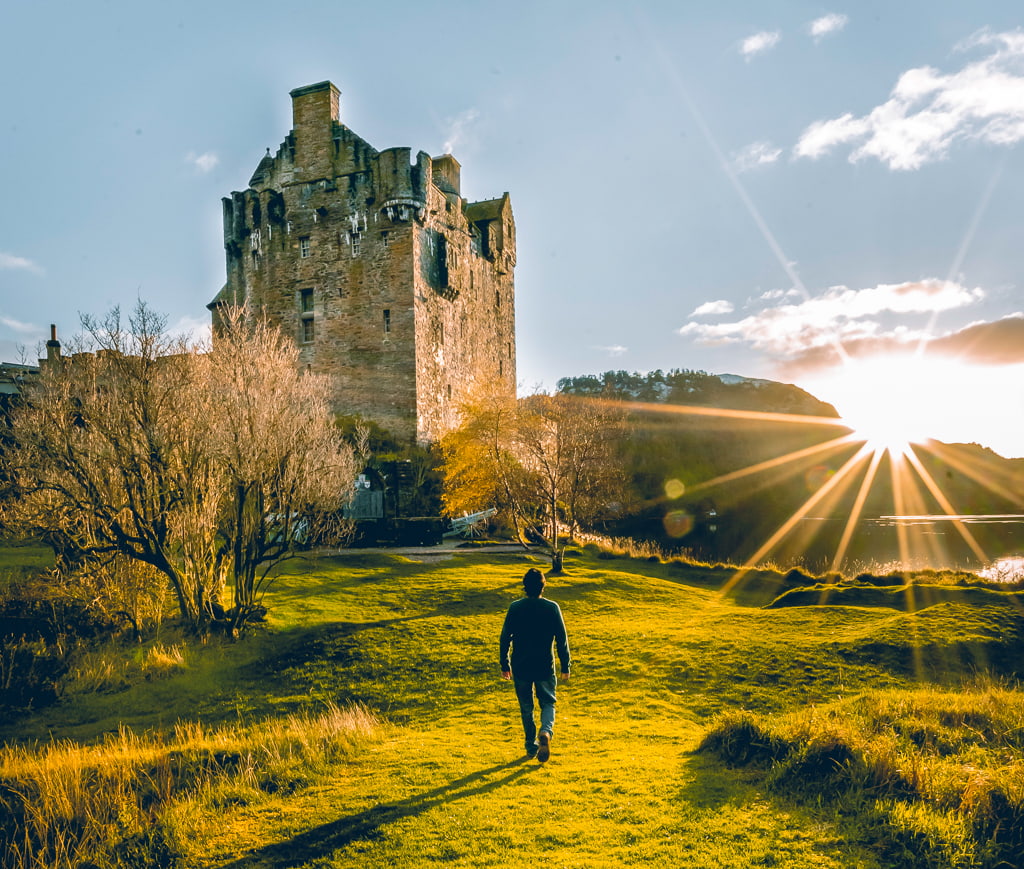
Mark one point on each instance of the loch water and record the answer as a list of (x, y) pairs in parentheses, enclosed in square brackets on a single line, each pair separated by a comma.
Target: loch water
[(922, 541)]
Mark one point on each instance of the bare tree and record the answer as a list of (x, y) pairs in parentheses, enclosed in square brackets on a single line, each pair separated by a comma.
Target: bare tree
[(201, 464), (547, 461), (285, 469)]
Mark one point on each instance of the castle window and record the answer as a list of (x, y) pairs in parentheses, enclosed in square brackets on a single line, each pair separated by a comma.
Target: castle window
[(304, 246), (449, 392), (385, 238), (341, 293), (357, 243), (255, 259), (306, 318), (497, 298), (387, 320)]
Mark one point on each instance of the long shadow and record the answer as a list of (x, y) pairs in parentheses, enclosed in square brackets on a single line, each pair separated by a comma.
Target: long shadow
[(324, 839)]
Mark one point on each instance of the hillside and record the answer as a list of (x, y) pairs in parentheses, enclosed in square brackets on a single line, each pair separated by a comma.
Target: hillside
[(700, 389), (676, 462), (660, 651)]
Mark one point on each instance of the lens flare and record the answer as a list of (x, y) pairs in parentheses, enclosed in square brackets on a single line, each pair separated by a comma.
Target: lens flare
[(674, 489), (678, 523)]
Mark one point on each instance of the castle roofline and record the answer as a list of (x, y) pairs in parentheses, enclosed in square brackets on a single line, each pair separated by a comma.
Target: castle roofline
[(313, 88), (221, 298), (486, 209)]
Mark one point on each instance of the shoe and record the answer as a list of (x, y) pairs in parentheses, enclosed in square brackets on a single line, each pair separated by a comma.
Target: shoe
[(531, 751), (544, 750)]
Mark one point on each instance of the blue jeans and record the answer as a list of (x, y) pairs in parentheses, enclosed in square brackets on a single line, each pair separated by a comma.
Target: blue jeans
[(545, 690)]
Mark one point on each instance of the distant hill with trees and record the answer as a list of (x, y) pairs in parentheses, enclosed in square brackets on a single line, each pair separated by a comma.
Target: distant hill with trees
[(698, 388), (692, 489)]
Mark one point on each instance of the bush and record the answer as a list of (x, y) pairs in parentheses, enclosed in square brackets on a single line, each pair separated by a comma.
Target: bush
[(38, 634), (827, 768), (740, 740), (30, 673)]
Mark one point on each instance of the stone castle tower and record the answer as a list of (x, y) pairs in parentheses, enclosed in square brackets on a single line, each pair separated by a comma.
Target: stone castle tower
[(389, 280)]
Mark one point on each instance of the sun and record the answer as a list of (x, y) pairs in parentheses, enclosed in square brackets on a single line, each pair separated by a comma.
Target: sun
[(891, 402)]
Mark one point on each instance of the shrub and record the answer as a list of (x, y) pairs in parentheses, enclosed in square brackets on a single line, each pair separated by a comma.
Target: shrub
[(739, 739), (40, 632)]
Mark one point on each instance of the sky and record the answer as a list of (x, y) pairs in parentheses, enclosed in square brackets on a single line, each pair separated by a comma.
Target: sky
[(824, 194)]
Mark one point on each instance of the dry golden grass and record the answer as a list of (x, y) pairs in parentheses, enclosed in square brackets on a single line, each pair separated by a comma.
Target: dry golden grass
[(943, 768), (65, 803)]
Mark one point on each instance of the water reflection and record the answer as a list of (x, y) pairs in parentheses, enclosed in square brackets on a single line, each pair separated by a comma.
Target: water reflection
[(1009, 569), (907, 521), (930, 541)]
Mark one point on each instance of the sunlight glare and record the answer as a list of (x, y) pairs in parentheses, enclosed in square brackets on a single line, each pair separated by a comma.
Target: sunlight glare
[(894, 401)]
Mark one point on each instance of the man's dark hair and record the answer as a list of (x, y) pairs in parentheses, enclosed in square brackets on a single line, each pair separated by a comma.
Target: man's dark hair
[(533, 582)]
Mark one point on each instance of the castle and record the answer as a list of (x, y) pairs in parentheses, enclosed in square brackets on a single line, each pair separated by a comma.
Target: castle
[(390, 281)]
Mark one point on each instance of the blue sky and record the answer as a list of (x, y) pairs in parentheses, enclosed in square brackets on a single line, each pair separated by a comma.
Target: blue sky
[(811, 192)]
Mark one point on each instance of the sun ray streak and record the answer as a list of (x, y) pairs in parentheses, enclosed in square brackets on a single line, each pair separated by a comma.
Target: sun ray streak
[(961, 254), (729, 413), (923, 547), (979, 475), (768, 464), (897, 470), (675, 77), (939, 496), (858, 507), (791, 523)]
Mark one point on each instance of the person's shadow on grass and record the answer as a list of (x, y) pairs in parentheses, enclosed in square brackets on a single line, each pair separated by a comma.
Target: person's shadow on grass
[(321, 841)]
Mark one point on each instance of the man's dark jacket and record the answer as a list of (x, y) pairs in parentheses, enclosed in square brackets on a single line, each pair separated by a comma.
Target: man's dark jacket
[(532, 624)]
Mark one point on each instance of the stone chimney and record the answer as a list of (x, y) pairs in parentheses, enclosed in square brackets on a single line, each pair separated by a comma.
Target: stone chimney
[(447, 174), (316, 108), (53, 347)]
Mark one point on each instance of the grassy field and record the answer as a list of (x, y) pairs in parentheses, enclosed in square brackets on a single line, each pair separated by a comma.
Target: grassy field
[(431, 770)]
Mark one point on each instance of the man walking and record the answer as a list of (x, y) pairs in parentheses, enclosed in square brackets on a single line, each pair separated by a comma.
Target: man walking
[(532, 626)]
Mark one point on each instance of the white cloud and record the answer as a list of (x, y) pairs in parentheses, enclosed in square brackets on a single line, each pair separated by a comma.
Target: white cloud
[(755, 155), (10, 261), (458, 129), (720, 306), (827, 24), (194, 328), (615, 350), (772, 295), (927, 111), (204, 162), (787, 330), (18, 326), (759, 43)]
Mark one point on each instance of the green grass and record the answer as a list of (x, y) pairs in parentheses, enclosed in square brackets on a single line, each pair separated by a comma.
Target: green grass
[(659, 652), (18, 560)]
